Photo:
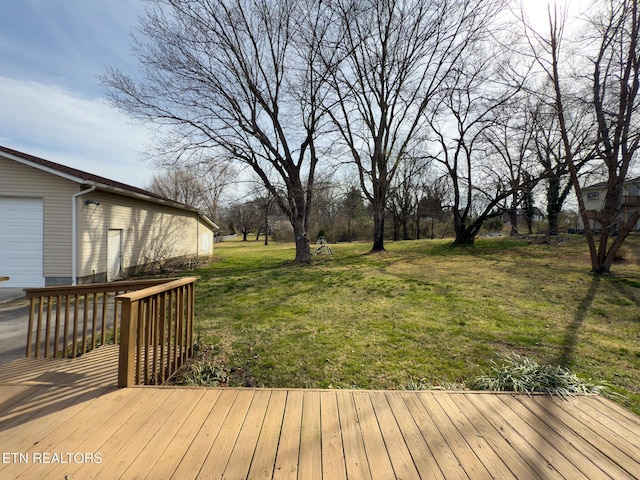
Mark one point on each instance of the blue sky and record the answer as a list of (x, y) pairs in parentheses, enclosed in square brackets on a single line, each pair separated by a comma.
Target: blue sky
[(51, 52)]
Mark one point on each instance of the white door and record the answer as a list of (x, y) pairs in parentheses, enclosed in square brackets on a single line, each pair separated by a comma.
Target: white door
[(206, 244), (114, 254), (22, 242)]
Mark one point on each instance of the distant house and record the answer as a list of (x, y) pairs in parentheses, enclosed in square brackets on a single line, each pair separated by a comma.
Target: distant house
[(521, 216), (593, 196), (60, 226)]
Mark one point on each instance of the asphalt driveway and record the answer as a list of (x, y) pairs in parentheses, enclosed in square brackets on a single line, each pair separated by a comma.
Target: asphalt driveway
[(14, 320)]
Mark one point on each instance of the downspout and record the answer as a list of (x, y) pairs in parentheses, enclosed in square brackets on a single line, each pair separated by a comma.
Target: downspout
[(74, 232), (197, 234)]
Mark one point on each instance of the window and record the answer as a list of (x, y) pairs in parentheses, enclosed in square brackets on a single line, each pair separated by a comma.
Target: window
[(593, 195)]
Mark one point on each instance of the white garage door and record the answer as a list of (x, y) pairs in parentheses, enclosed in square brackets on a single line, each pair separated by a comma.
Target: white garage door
[(21, 242)]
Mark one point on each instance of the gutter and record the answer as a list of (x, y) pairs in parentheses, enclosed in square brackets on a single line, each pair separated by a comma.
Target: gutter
[(160, 201), (74, 232)]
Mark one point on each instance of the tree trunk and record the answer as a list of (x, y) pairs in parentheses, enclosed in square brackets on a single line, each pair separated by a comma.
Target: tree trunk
[(303, 248), (266, 230), (466, 236), (513, 218), (405, 228), (396, 227), (552, 216), (553, 204), (378, 230), (605, 263)]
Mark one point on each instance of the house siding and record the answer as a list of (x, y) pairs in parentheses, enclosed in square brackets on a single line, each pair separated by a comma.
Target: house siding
[(18, 180), (150, 233), (152, 229), (594, 197)]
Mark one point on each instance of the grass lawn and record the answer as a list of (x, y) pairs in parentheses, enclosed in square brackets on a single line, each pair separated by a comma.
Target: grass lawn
[(422, 311)]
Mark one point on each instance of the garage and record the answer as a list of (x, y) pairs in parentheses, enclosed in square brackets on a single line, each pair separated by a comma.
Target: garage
[(21, 241), (63, 226)]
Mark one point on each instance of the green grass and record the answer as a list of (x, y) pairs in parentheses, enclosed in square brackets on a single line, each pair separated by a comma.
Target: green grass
[(423, 311)]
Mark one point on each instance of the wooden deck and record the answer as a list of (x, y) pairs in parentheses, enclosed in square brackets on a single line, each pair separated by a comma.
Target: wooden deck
[(66, 419)]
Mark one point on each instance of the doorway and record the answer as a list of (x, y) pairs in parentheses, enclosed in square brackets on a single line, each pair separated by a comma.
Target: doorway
[(114, 254)]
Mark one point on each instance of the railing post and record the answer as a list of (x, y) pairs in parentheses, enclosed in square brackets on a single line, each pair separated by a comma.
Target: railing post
[(128, 343), (32, 312)]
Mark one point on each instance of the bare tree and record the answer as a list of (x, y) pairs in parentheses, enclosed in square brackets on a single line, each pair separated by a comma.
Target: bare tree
[(433, 196), (550, 152), (404, 194), (353, 207), (608, 67), (393, 57), (264, 203), (244, 217), (201, 185), (512, 140), (473, 143), (241, 77), (329, 211)]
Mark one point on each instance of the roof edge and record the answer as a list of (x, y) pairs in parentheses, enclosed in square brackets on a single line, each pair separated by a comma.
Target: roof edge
[(85, 178)]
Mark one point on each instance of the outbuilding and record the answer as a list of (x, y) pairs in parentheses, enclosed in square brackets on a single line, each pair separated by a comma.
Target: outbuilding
[(62, 226)]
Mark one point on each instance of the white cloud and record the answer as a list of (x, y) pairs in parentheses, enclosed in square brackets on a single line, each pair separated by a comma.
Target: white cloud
[(47, 121)]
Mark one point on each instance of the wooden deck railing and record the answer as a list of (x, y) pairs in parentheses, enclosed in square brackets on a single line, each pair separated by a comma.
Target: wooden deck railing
[(156, 336), (67, 321)]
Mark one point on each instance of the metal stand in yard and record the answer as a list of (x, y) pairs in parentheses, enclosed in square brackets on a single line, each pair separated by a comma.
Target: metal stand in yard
[(323, 247)]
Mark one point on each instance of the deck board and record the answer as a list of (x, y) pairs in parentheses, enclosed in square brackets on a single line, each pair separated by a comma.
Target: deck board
[(352, 439), (64, 418), (425, 462), (599, 450), (153, 451), (468, 426), (310, 457), (333, 465), (490, 428), (443, 454), (264, 458), (547, 426), (202, 442), (286, 466), (394, 443), (372, 437), (181, 442), (227, 438)]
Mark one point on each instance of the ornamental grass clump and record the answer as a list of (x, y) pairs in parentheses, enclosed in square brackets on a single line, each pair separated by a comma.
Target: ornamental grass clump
[(524, 375), (204, 374), (423, 384)]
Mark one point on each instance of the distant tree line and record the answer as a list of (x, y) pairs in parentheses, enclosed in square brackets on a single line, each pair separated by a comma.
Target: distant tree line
[(441, 113)]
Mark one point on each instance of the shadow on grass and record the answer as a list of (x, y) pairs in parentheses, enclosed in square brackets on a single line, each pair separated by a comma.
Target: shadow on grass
[(573, 330)]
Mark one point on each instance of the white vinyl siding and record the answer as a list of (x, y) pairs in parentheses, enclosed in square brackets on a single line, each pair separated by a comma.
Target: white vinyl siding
[(150, 232)]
